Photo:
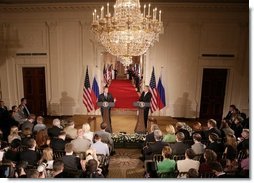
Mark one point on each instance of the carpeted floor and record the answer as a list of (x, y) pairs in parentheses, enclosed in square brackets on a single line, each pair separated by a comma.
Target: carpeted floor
[(124, 92), (126, 164)]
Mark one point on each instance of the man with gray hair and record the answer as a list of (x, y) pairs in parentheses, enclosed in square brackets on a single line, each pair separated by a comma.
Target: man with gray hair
[(154, 148), (55, 130)]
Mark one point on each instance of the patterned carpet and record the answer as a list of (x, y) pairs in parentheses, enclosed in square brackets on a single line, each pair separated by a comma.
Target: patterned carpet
[(126, 164)]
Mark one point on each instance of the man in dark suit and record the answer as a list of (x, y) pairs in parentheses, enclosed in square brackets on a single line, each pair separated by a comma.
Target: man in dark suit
[(24, 108), (58, 144), (146, 97), (106, 97), (179, 147)]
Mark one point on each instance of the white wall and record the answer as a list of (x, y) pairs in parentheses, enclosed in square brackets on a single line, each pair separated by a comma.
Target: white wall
[(63, 33)]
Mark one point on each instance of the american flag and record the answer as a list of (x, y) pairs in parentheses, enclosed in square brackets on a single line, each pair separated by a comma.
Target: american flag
[(153, 90), (87, 99)]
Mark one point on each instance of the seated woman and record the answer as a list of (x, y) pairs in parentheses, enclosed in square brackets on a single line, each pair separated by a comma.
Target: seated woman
[(167, 165), (87, 133), (170, 136), (209, 156), (230, 153), (14, 134), (47, 157), (42, 139)]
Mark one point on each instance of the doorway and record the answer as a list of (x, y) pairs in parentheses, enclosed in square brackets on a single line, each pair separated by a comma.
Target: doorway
[(35, 89), (213, 93)]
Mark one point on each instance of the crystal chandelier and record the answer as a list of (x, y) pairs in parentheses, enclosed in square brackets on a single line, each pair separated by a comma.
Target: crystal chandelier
[(127, 32)]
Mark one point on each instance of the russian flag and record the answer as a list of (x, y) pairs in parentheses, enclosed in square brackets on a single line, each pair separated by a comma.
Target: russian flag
[(161, 95), (95, 93)]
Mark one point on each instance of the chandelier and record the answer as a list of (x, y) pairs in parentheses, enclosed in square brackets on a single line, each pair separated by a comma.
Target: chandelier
[(127, 32)]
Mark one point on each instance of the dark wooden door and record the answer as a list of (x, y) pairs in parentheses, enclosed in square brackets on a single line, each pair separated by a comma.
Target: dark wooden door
[(35, 89), (213, 93)]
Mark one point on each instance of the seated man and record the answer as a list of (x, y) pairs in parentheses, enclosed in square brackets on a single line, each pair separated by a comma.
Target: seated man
[(71, 131), (105, 136), (30, 155), (29, 123), (80, 144), (188, 163), (155, 148), (70, 161), (40, 125), (55, 129), (58, 168), (198, 147), (179, 147), (100, 147), (58, 144)]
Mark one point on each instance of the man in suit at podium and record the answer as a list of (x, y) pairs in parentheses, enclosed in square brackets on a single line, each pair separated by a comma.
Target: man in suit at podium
[(146, 97), (106, 97)]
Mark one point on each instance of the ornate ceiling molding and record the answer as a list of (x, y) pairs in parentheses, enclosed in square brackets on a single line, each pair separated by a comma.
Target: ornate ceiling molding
[(53, 7)]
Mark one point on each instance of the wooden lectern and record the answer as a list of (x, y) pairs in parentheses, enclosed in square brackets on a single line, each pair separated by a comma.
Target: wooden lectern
[(106, 116), (140, 125)]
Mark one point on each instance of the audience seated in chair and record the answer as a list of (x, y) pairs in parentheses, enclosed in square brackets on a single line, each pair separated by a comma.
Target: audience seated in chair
[(47, 158), (87, 132), (197, 128), (215, 145), (106, 136), (212, 128), (188, 163), (198, 147), (100, 147), (170, 136), (180, 128), (209, 157), (42, 139), (70, 161), (54, 131), (14, 134), (29, 123), (243, 141), (80, 144), (58, 144), (218, 170), (58, 169), (154, 148), (92, 170), (179, 147), (167, 165), (70, 130), (30, 155), (40, 125)]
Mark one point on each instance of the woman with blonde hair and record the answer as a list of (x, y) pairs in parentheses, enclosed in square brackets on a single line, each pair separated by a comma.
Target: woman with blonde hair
[(170, 136), (87, 133), (47, 157), (14, 134)]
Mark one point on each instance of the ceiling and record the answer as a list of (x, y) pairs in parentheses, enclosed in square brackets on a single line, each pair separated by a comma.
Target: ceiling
[(103, 1)]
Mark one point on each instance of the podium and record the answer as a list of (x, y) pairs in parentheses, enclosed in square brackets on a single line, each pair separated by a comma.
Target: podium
[(140, 125), (106, 113)]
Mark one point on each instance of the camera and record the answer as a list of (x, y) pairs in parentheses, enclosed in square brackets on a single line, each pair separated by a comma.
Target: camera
[(42, 167)]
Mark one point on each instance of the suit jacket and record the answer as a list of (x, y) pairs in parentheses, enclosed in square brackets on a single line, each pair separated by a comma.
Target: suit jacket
[(30, 156), (150, 137), (145, 98), (186, 164), (81, 144), (152, 149), (106, 138), (54, 131), (27, 124), (71, 162), (179, 148), (58, 144), (213, 130), (102, 98), (198, 148), (216, 147)]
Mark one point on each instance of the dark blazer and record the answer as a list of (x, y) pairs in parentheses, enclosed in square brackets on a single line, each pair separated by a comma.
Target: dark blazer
[(54, 131), (186, 134), (150, 137), (58, 144), (216, 147), (145, 98), (212, 130), (102, 98), (71, 162), (27, 124), (152, 149), (179, 148), (32, 157)]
